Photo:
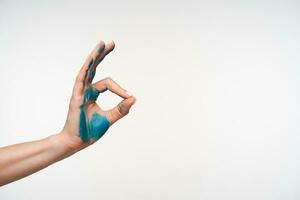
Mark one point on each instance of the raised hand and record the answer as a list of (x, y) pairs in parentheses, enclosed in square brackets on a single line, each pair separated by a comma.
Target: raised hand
[(86, 120), (85, 124)]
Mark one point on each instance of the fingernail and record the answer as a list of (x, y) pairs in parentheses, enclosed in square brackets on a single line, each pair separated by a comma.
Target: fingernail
[(129, 93)]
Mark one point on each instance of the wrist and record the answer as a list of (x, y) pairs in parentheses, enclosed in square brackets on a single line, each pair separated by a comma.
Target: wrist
[(64, 145)]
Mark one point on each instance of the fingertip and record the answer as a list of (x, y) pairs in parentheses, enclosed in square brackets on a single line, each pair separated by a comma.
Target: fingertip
[(121, 110), (111, 45), (128, 93), (126, 105), (101, 43), (101, 46), (130, 101), (134, 100)]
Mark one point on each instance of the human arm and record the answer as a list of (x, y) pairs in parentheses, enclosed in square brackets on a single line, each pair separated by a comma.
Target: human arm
[(86, 123)]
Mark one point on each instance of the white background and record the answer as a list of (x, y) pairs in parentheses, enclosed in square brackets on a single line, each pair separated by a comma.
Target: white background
[(217, 87)]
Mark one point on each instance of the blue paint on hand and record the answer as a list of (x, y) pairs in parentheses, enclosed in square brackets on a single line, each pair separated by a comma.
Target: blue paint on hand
[(91, 94), (83, 132), (97, 125), (87, 70), (92, 75)]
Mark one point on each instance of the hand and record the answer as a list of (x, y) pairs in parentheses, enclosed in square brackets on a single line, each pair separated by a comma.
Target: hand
[(86, 121), (85, 124)]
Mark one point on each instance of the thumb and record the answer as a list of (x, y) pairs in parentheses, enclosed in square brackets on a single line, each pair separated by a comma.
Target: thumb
[(121, 110)]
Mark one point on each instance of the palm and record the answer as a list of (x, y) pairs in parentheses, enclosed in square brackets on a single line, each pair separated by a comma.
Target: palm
[(85, 118)]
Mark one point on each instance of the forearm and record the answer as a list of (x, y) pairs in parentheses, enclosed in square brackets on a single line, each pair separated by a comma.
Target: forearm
[(20, 160)]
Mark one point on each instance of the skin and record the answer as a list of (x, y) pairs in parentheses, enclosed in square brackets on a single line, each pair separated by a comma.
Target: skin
[(86, 122)]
